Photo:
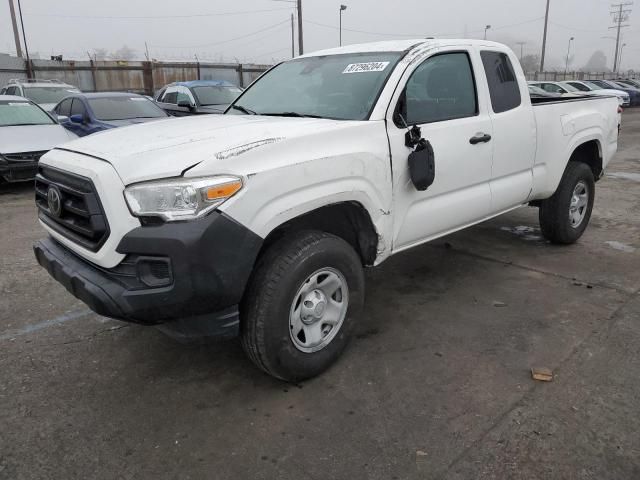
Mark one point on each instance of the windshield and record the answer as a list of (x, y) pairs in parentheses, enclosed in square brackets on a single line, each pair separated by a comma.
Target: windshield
[(216, 94), (595, 86), (569, 88), (48, 94), (124, 108), (13, 113), (341, 87)]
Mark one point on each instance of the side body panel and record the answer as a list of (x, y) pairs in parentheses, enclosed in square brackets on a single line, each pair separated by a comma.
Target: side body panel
[(563, 127), (513, 142), (460, 193), (282, 182)]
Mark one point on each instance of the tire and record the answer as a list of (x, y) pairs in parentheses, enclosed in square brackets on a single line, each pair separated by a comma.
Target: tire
[(270, 327), (563, 218)]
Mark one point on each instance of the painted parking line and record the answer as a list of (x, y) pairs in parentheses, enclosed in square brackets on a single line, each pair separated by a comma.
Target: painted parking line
[(45, 324)]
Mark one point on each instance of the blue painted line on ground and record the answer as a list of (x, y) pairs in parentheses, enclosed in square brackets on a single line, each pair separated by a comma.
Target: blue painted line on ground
[(45, 324)]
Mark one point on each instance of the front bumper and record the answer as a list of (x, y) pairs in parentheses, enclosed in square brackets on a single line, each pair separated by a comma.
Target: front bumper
[(210, 260), (18, 171)]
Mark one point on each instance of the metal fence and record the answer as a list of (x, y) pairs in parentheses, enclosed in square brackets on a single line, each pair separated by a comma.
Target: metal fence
[(113, 76), (561, 76)]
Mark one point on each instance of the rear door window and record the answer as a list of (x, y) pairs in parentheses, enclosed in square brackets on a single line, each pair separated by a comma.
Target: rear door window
[(64, 108), (78, 108), (503, 84)]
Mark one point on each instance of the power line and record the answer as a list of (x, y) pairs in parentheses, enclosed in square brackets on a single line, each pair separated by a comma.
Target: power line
[(225, 41), (418, 35), (153, 17)]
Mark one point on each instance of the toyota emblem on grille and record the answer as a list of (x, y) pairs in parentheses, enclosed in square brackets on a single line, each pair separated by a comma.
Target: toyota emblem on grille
[(54, 200)]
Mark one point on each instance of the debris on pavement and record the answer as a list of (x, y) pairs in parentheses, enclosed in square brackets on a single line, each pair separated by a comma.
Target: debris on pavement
[(542, 374)]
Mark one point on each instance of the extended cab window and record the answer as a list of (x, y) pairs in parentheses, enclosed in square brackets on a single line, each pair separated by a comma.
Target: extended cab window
[(503, 84), (442, 88)]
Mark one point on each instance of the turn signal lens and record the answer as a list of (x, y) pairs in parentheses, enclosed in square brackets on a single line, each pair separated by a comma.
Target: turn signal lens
[(223, 191)]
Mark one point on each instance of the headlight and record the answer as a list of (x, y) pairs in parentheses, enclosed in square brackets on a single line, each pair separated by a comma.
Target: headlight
[(181, 198)]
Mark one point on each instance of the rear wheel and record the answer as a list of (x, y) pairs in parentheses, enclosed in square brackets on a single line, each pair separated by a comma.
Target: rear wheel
[(301, 305), (565, 216)]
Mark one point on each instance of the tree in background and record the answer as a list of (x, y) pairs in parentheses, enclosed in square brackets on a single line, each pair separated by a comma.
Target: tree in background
[(100, 54), (123, 53), (597, 62), (530, 63)]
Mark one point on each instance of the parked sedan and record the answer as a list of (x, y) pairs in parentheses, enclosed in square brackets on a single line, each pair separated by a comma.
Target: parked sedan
[(197, 97), (559, 88), (535, 91), (634, 93), (87, 113), (630, 82), (592, 88), (26, 133)]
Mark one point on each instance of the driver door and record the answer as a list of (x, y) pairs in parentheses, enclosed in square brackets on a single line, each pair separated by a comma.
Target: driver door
[(441, 98)]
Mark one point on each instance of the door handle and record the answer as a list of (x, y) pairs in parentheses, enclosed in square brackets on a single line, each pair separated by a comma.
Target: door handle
[(480, 138)]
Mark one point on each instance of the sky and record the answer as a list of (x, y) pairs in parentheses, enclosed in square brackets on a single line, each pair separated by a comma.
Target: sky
[(258, 31)]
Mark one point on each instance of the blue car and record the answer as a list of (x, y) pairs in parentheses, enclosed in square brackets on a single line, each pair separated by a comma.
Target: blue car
[(634, 93), (87, 113)]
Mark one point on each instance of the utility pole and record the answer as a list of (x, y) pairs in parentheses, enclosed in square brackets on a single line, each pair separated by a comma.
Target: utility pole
[(566, 65), (485, 31), (620, 58), (522, 44), (16, 35), (293, 38), (24, 39), (146, 50), (620, 16), (544, 37), (300, 40), (342, 8)]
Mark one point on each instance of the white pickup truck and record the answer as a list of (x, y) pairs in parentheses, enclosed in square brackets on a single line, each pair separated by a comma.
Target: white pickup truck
[(259, 222)]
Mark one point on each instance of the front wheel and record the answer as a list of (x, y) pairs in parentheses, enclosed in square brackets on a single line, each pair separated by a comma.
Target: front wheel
[(565, 215), (301, 304)]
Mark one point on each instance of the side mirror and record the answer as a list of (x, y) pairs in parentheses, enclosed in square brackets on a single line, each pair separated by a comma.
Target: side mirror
[(77, 118), (62, 118), (422, 168), (185, 104)]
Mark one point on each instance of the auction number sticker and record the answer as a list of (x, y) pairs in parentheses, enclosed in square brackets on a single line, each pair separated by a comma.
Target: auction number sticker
[(365, 67)]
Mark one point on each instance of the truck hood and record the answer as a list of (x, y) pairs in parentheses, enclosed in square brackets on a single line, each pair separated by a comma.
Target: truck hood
[(32, 138), (169, 147)]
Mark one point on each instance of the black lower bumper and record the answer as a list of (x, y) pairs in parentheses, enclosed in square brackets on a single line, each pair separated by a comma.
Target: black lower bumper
[(209, 261), (18, 171)]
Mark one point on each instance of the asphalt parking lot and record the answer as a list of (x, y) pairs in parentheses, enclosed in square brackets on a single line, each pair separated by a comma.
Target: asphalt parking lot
[(436, 384)]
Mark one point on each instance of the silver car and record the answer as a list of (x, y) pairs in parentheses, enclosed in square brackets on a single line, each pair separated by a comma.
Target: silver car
[(26, 133)]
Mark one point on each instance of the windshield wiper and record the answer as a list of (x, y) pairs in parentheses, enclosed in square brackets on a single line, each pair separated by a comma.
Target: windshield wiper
[(243, 109), (290, 114)]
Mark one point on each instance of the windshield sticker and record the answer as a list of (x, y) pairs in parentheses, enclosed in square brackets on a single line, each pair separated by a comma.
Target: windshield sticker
[(137, 99), (365, 67), (19, 104)]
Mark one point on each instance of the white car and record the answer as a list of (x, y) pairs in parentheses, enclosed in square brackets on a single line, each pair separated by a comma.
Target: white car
[(46, 93), (592, 88), (557, 88), (26, 133), (259, 222)]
